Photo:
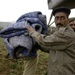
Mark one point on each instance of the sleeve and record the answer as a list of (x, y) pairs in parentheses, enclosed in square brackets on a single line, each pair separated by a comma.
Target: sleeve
[(56, 41)]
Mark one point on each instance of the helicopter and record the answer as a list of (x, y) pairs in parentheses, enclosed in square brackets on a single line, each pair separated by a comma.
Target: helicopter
[(58, 3), (52, 4)]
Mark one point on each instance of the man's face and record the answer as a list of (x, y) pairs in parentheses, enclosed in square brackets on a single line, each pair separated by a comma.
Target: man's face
[(72, 24), (60, 19)]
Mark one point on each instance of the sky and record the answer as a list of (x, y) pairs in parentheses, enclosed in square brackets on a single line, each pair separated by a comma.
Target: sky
[(11, 10)]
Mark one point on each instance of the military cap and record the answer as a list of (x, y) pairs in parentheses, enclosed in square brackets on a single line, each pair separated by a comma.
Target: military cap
[(61, 9)]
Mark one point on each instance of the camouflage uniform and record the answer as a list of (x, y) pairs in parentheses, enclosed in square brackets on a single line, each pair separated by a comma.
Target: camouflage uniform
[(30, 65), (61, 47)]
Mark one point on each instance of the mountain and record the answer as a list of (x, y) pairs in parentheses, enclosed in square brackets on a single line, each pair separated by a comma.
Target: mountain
[(4, 24)]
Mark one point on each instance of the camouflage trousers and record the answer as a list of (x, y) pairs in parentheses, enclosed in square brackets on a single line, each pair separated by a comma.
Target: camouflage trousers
[(30, 65)]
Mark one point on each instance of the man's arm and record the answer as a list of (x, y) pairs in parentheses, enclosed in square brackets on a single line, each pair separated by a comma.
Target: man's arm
[(52, 42)]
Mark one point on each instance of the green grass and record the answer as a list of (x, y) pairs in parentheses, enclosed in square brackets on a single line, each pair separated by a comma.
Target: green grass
[(11, 67)]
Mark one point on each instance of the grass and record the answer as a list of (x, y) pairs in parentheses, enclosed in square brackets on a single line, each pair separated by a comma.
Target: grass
[(11, 67)]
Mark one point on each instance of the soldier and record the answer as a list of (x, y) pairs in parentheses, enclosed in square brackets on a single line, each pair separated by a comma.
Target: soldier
[(72, 23), (61, 44)]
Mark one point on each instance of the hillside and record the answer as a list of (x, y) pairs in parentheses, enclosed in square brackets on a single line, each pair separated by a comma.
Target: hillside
[(11, 67), (4, 24)]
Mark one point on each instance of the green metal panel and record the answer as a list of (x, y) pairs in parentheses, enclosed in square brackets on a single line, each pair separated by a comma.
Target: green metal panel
[(58, 3)]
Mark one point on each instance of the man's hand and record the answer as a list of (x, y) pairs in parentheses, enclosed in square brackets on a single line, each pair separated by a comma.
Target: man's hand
[(30, 28)]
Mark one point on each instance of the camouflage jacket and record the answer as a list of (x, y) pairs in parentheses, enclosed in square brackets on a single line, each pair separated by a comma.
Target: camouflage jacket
[(61, 47)]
